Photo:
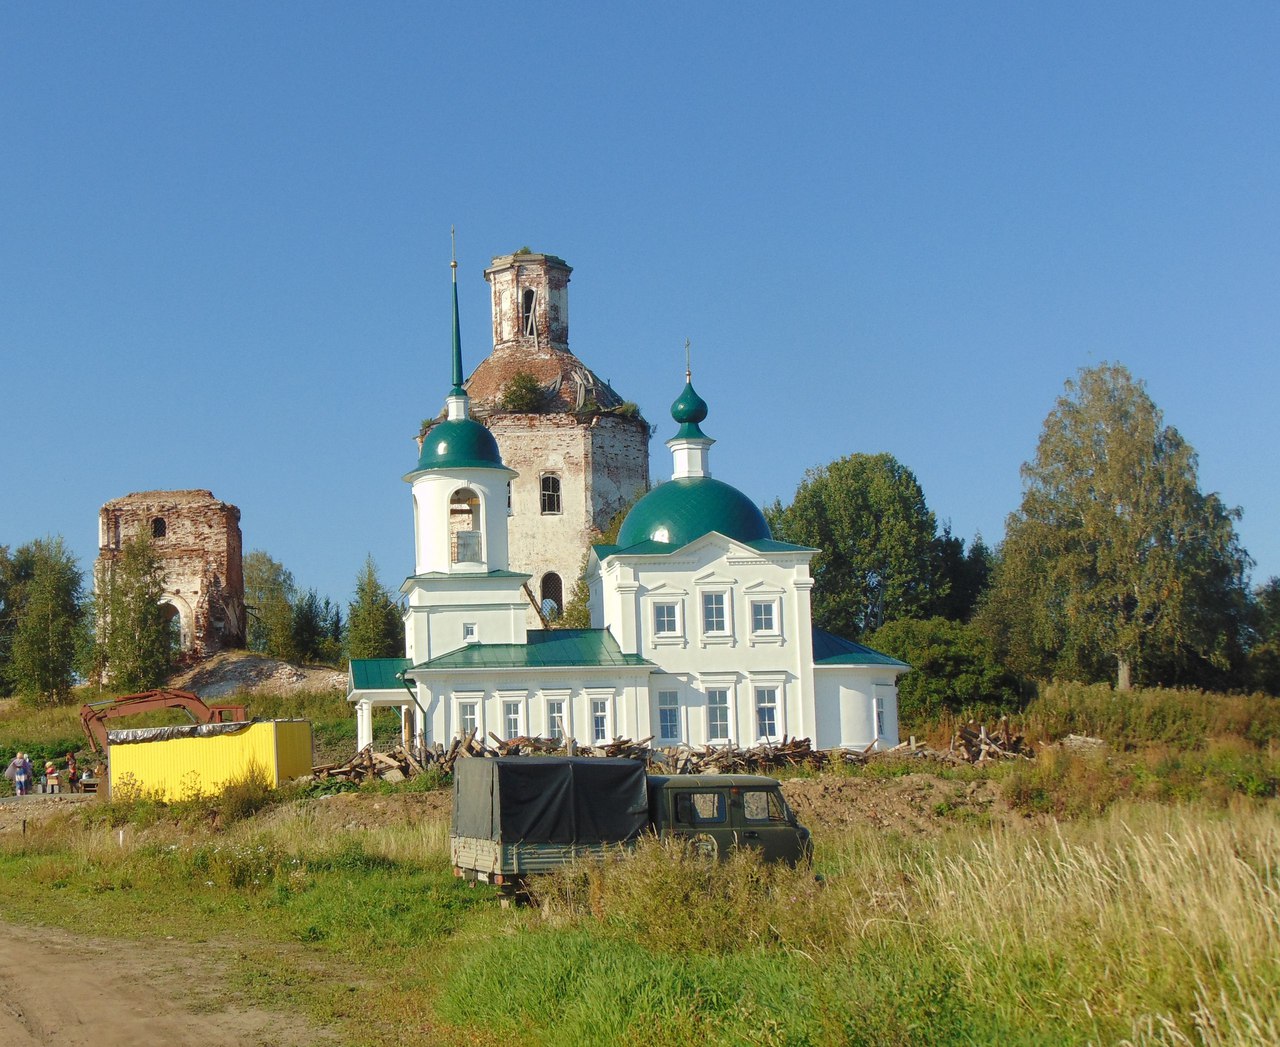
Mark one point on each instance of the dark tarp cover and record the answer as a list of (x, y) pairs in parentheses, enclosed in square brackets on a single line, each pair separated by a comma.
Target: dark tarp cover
[(549, 799)]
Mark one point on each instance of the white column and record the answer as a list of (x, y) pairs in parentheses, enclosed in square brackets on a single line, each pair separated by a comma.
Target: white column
[(364, 724)]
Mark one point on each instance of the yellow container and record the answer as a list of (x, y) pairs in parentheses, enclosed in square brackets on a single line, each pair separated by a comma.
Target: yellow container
[(181, 763)]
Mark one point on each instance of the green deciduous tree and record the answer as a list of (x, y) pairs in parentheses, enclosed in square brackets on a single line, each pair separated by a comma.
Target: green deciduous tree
[(42, 599), (134, 642), (953, 669), (1116, 564), (269, 593), (1264, 655), (375, 628), (878, 558)]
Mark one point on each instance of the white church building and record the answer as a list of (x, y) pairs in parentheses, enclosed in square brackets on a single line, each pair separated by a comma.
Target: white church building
[(701, 626)]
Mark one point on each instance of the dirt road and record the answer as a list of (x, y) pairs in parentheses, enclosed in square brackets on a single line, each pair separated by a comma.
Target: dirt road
[(57, 988)]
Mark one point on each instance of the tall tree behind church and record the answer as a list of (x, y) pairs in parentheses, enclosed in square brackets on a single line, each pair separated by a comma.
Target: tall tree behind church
[(1116, 564), (878, 554)]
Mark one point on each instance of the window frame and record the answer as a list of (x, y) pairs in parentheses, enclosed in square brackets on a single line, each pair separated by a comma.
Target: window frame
[(771, 603), (727, 707), (760, 706), (670, 707), (556, 712), (476, 707), (599, 720), (660, 606), (705, 597), (544, 494), (512, 712)]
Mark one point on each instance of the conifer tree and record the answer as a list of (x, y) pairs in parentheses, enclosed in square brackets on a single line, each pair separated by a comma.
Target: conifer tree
[(375, 628)]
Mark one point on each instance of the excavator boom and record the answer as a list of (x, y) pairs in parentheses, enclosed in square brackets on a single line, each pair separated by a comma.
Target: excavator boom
[(93, 716)]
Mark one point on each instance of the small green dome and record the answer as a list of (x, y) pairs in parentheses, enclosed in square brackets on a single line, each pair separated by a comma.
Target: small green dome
[(689, 406), (462, 443), (683, 510)]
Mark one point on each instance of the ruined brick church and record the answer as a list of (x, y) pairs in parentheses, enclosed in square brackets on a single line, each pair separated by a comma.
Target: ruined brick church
[(580, 450), (197, 539)]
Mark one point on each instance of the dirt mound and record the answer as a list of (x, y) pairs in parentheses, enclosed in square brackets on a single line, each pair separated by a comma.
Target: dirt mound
[(231, 672), (912, 804)]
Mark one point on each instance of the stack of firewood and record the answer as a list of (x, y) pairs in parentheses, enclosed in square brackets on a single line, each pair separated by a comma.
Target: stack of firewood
[(758, 759), (527, 745), (975, 744), (393, 766)]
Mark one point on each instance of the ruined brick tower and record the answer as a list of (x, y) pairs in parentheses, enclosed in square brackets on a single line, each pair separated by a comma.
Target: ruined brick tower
[(582, 452), (198, 540)]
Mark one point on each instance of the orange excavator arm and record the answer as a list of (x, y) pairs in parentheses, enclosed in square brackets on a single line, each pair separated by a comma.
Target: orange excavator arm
[(93, 717)]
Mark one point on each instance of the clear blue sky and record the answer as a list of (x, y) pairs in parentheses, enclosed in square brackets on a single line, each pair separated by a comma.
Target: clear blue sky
[(224, 241)]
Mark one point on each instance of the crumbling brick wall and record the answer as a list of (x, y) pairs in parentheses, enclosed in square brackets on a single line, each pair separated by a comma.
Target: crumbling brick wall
[(601, 463), (197, 538)]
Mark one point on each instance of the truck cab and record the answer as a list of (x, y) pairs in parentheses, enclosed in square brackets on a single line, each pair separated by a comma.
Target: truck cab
[(719, 812)]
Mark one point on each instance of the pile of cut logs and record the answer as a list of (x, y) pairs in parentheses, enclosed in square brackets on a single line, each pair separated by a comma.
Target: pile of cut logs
[(759, 759), (972, 743), (393, 766)]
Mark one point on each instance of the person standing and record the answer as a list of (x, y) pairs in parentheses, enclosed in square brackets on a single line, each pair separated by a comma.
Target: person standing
[(73, 773), (19, 772)]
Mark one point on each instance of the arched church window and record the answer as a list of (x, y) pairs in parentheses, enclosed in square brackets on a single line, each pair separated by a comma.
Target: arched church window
[(174, 637), (464, 526), (158, 527), (529, 312), (552, 596), (550, 494)]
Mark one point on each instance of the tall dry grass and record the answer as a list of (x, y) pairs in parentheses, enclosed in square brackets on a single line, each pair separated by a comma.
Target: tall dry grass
[(1160, 923)]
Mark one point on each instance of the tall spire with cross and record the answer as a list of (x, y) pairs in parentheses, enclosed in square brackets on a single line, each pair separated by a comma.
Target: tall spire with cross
[(457, 327)]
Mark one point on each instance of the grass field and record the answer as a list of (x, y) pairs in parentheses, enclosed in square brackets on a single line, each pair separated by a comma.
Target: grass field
[(1153, 924), (1147, 911)]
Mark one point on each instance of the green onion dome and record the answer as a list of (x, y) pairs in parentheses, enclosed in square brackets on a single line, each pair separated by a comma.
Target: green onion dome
[(684, 509), (689, 406), (461, 443)]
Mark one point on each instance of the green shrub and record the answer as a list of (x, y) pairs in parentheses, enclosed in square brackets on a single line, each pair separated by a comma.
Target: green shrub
[(953, 671), (523, 394), (1184, 718), (1064, 784)]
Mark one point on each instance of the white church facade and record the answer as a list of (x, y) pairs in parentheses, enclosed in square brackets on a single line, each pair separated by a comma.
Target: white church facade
[(701, 625)]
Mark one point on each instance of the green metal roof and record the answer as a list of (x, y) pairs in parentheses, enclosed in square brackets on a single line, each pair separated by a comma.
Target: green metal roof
[(545, 649), (461, 443), (377, 674), (829, 649), (650, 548), (684, 509)]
